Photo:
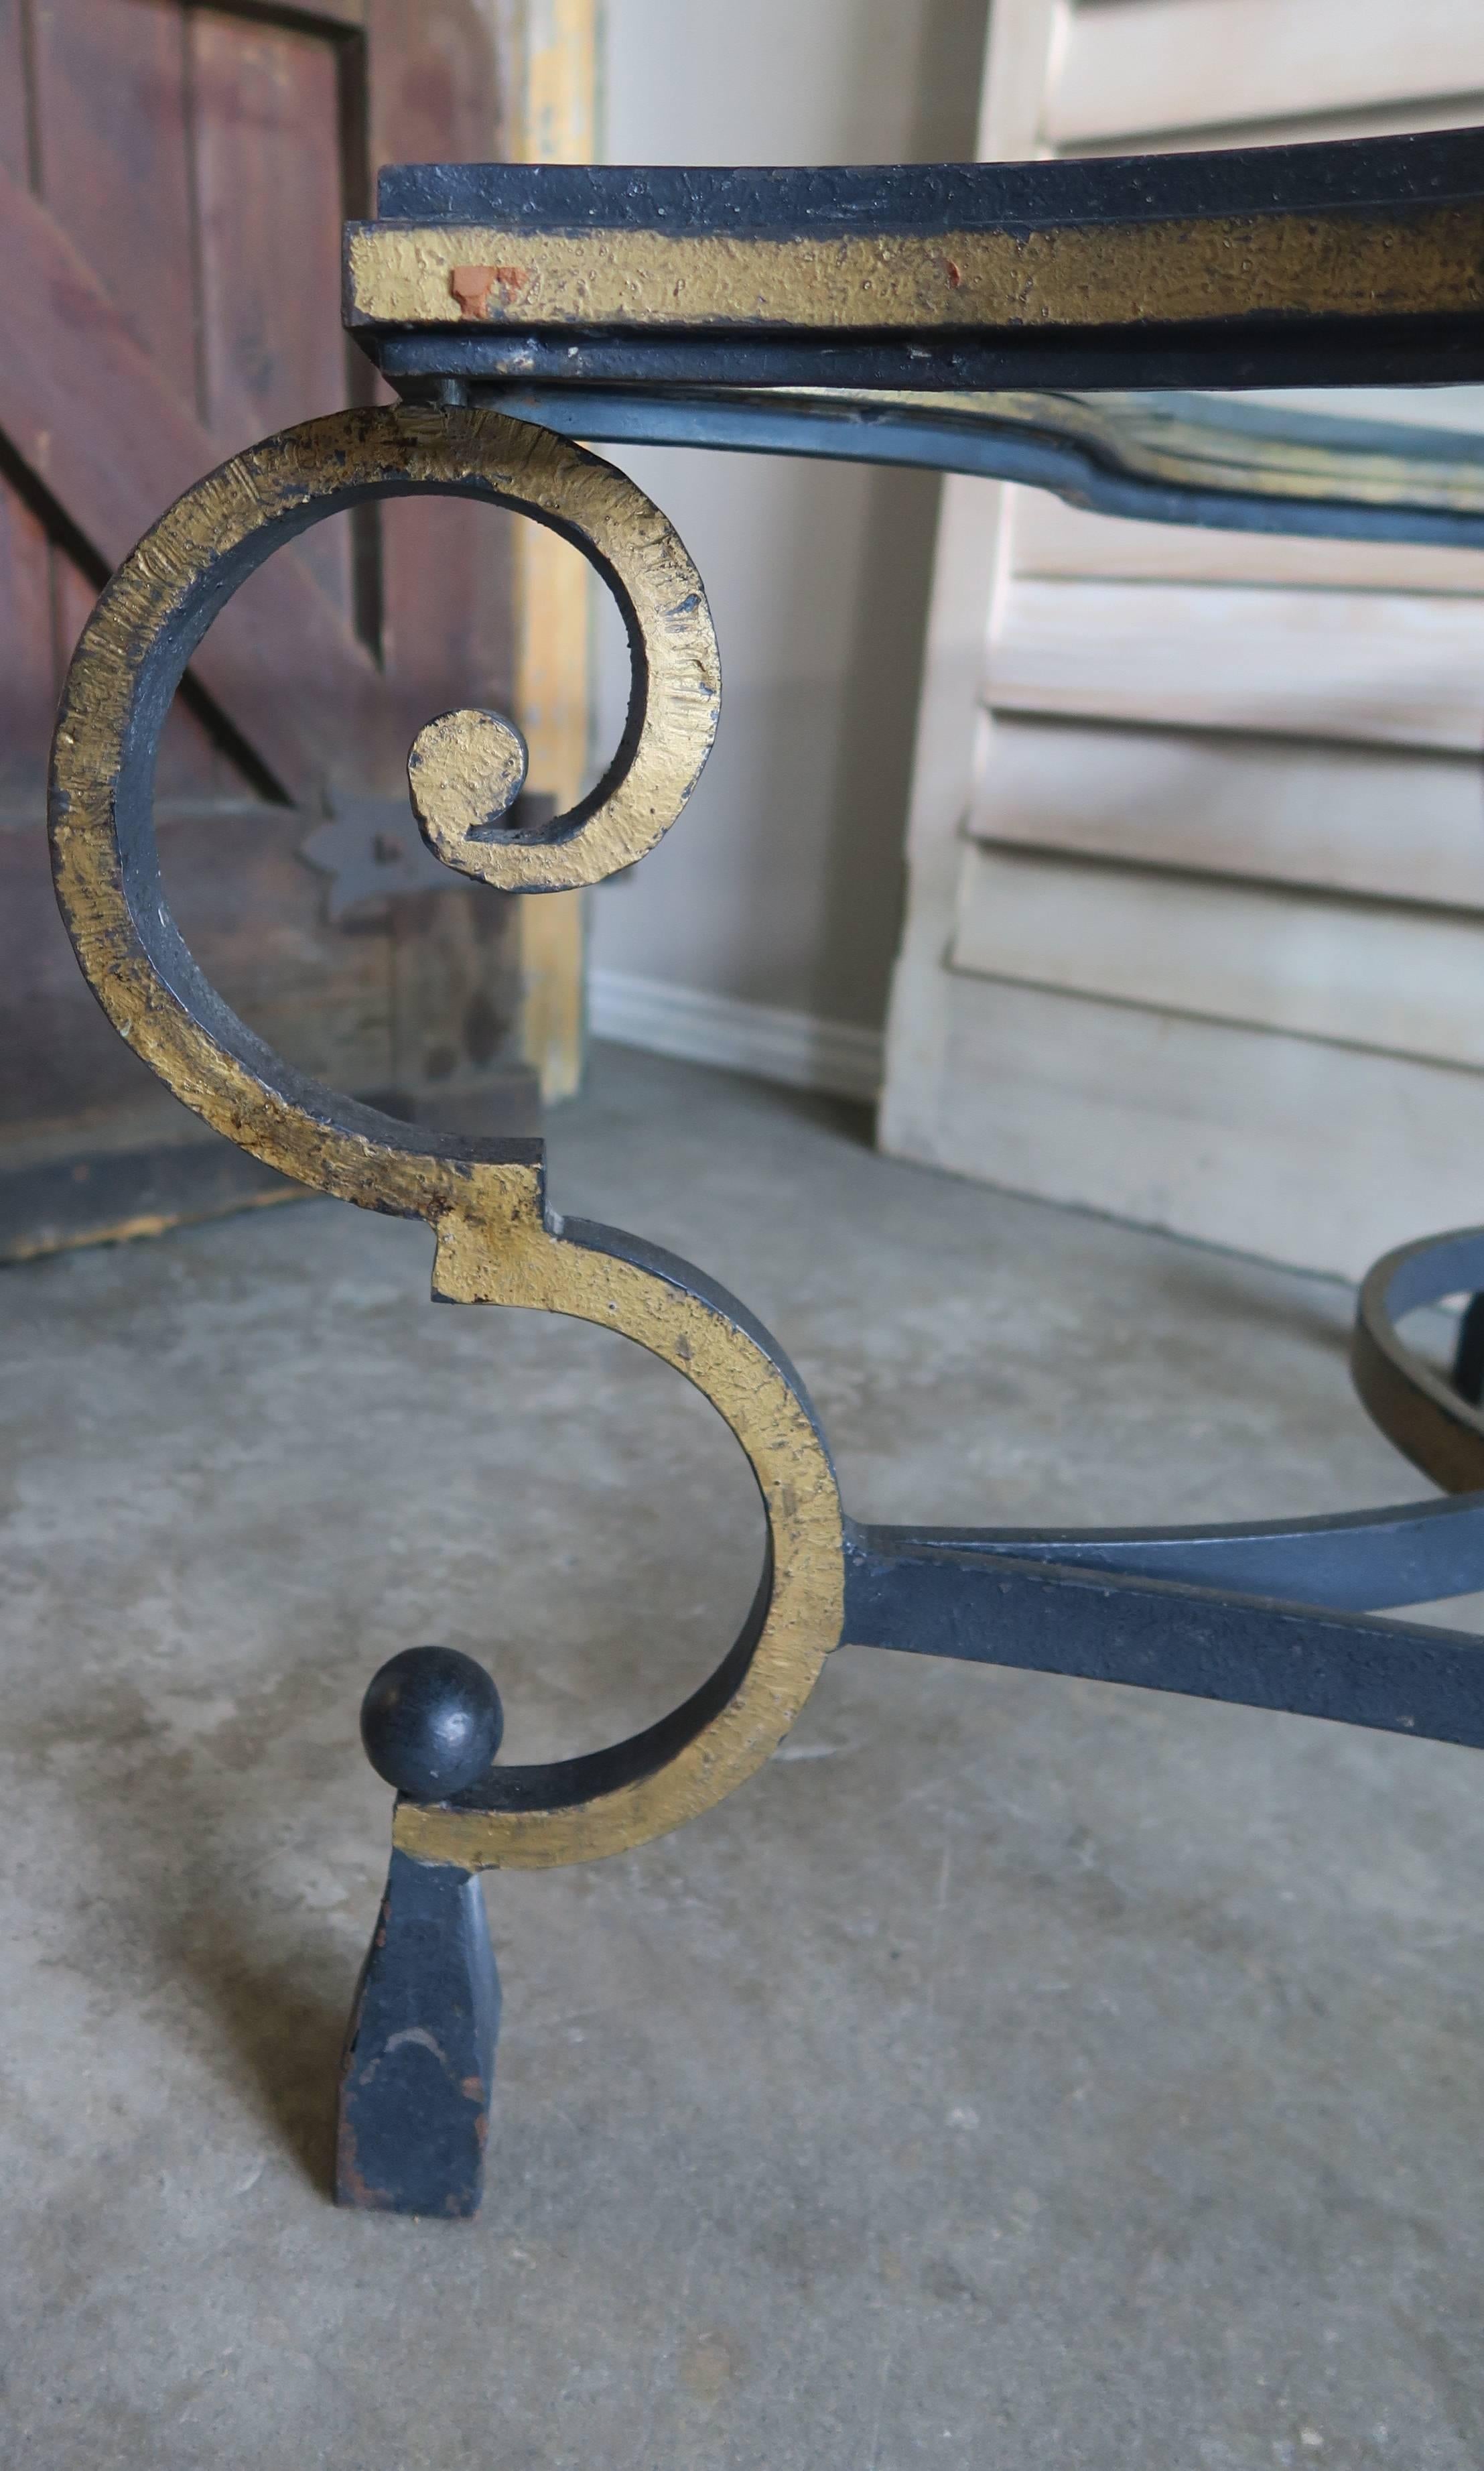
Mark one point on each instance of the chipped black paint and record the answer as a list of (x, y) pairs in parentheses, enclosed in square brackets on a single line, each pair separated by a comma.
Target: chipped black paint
[(419, 2061)]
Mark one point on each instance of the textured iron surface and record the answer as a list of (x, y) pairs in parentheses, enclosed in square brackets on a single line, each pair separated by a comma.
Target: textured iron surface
[(751, 200), (1110, 1625), (419, 2061), (1362, 261)]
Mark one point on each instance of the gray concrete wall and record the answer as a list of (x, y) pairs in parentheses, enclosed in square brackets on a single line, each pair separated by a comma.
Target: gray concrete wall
[(781, 885)]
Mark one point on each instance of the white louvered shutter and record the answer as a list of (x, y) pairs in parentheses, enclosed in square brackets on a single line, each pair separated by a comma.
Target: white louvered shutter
[(1195, 927)]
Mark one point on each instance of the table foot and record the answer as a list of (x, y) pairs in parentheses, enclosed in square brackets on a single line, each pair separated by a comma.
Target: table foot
[(419, 2062)]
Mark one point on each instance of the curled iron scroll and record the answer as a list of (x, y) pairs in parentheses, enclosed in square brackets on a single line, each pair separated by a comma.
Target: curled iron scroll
[(1272, 1616), (465, 768), (497, 1243)]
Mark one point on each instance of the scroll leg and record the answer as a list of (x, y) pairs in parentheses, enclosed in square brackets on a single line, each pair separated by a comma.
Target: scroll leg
[(419, 2062)]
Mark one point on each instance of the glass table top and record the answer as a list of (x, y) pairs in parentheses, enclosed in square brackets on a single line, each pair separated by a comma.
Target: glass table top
[(1378, 463)]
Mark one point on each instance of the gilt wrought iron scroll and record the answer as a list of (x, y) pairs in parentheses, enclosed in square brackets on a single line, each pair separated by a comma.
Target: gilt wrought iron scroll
[(616, 304)]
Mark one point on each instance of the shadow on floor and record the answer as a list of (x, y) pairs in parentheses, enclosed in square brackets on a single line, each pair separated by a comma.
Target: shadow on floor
[(280, 2021), (260, 1985)]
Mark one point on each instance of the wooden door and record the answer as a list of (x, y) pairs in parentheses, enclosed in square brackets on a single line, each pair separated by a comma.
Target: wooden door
[(172, 184), (1196, 920)]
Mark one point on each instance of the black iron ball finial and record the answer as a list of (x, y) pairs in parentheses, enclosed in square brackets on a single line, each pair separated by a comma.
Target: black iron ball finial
[(431, 1722)]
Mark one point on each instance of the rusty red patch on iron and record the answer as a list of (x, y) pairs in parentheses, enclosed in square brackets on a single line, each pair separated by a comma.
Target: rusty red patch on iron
[(471, 286), (351, 2187)]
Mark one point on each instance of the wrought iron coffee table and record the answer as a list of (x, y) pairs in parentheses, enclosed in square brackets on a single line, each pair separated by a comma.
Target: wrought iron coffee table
[(1050, 323)]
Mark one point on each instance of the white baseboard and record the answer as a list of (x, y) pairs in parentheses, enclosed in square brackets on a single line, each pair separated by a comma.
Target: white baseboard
[(796, 1048)]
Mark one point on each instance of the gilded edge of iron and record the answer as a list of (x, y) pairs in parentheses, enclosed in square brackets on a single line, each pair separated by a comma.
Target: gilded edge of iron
[(1418, 260), (496, 1243)]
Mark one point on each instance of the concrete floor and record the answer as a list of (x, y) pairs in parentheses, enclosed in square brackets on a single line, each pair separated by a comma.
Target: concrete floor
[(1019, 2073)]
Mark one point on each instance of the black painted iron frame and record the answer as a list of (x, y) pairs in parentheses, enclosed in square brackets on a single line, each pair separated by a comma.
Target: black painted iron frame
[(1286, 1615), (1398, 342), (1217, 1611)]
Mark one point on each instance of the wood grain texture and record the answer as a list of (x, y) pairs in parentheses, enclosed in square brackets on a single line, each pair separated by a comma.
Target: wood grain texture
[(60, 1061), (254, 914), (1352, 819), (14, 82), (1360, 974), (456, 989), (330, 16), (264, 103), (448, 625), (1127, 66), (202, 160), (281, 665), (28, 679), (114, 144)]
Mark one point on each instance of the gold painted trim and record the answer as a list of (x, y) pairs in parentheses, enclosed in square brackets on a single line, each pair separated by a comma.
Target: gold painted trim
[(1426, 260), (462, 780), (278, 485), (521, 1263), (495, 1243)]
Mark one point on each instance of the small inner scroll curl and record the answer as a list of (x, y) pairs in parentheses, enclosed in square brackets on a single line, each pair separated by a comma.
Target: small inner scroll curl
[(465, 771)]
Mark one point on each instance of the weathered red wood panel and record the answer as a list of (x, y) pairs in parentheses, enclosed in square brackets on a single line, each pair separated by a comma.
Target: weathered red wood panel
[(254, 914), (447, 637), (27, 688), (266, 125), (113, 145), (13, 81), (173, 180), (87, 411)]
